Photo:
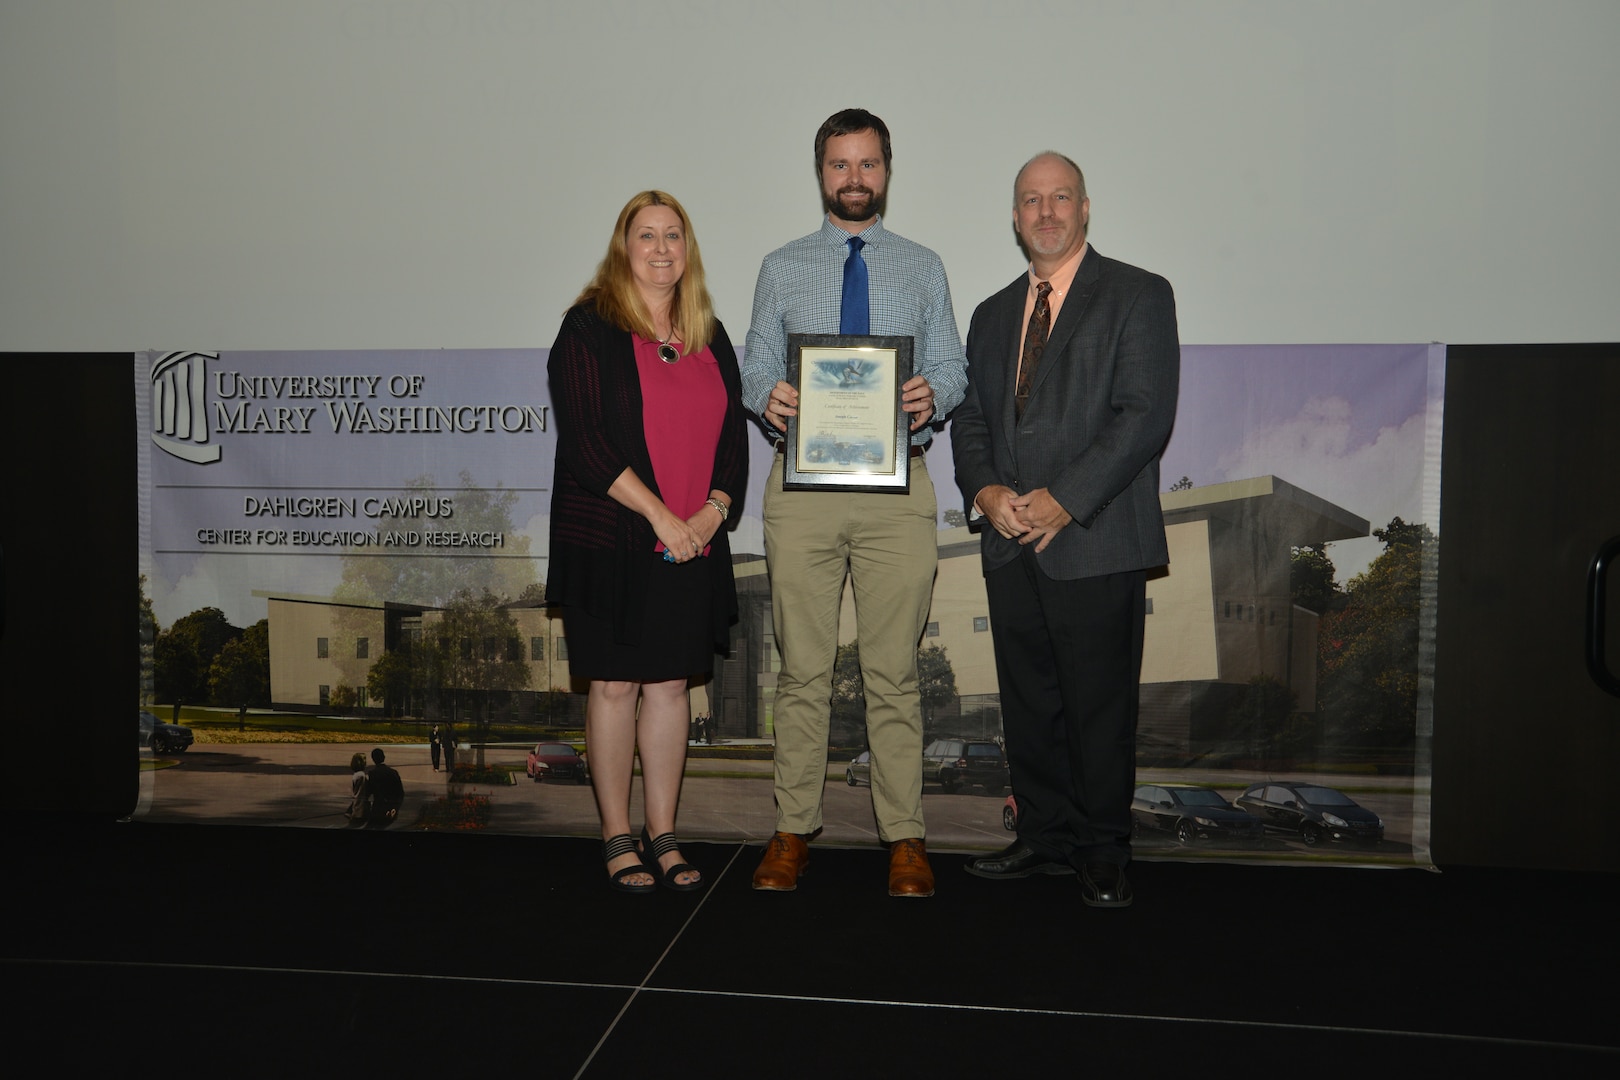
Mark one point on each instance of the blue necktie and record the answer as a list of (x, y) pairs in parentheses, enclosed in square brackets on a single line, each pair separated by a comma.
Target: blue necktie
[(855, 314)]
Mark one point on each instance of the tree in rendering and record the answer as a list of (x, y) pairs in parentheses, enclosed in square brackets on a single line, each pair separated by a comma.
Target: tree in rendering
[(479, 657), (184, 653), (240, 674), (1368, 649)]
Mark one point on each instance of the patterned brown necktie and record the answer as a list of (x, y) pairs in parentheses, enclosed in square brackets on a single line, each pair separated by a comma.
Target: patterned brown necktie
[(1040, 323)]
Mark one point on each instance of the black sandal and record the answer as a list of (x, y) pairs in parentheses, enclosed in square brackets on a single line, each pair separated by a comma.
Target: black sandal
[(657, 847), (623, 845)]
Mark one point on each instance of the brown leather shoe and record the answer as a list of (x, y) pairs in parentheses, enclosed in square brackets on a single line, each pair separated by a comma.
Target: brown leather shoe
[(909, 872), (786, 856)]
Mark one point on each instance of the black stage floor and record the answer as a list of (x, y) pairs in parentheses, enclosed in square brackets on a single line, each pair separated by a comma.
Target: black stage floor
[(258, 950)]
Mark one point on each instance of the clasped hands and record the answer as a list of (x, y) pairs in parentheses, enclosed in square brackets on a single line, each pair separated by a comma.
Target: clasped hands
[(1031, 518), (685, 540), (916, 397)]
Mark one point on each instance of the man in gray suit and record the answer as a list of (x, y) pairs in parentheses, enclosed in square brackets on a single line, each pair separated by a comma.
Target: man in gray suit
[(1072, 378)]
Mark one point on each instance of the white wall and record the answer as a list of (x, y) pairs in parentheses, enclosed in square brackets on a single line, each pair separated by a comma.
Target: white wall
[(417, 173)]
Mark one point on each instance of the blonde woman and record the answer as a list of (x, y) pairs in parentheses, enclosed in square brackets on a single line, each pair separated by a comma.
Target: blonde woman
[(651, 455)]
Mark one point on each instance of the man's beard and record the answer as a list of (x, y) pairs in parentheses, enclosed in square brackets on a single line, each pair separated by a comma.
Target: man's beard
[(863, 212)]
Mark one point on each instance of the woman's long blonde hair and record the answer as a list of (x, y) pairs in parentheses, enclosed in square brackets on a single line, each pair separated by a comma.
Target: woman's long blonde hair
[(613, 289)]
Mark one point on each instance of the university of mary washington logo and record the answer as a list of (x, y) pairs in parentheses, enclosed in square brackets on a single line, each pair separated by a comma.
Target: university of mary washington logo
[(180, 406)]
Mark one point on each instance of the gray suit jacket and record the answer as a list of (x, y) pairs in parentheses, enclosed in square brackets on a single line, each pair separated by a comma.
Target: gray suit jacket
[(1099, 413)]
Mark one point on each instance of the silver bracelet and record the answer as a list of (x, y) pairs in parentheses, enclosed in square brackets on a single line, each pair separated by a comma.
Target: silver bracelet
[(722, 508)]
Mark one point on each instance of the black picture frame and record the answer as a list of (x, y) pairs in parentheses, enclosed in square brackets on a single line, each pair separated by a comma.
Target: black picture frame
[(850, 433)]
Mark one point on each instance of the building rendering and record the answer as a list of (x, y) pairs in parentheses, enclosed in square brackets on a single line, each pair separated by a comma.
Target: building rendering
[(1219, 617)]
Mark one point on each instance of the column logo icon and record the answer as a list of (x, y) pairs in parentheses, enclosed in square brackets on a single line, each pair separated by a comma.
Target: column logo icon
[(180, 406)]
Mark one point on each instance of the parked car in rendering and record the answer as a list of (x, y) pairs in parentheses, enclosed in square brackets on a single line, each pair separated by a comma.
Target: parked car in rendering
[(1312, 813), (163, 738), (1009, 814), (859, 770), (1192, 813), (952, 763), (557, 761)]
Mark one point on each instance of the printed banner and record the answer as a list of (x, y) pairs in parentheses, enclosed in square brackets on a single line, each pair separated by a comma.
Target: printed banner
[(346, 551)]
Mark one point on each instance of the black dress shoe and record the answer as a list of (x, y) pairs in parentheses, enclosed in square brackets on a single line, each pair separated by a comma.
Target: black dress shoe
[(1104, 885), (1016, 860)]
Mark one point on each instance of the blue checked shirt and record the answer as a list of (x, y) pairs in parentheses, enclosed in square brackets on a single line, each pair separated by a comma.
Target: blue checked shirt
[(800, 289)]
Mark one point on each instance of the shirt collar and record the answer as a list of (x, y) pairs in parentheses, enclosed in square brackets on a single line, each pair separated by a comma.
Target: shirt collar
[(838, 238), (1063, 277)]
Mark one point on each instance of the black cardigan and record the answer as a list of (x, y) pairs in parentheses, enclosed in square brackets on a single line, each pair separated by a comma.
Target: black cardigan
[(596, 396)]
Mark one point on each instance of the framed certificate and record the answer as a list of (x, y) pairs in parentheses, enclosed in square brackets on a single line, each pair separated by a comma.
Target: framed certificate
[(850, 433)]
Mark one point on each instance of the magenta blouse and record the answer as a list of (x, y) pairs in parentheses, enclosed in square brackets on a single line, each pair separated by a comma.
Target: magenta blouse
[(683, 407)]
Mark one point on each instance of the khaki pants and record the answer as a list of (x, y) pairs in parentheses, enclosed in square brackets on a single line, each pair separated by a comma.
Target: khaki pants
[(888, 545)]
